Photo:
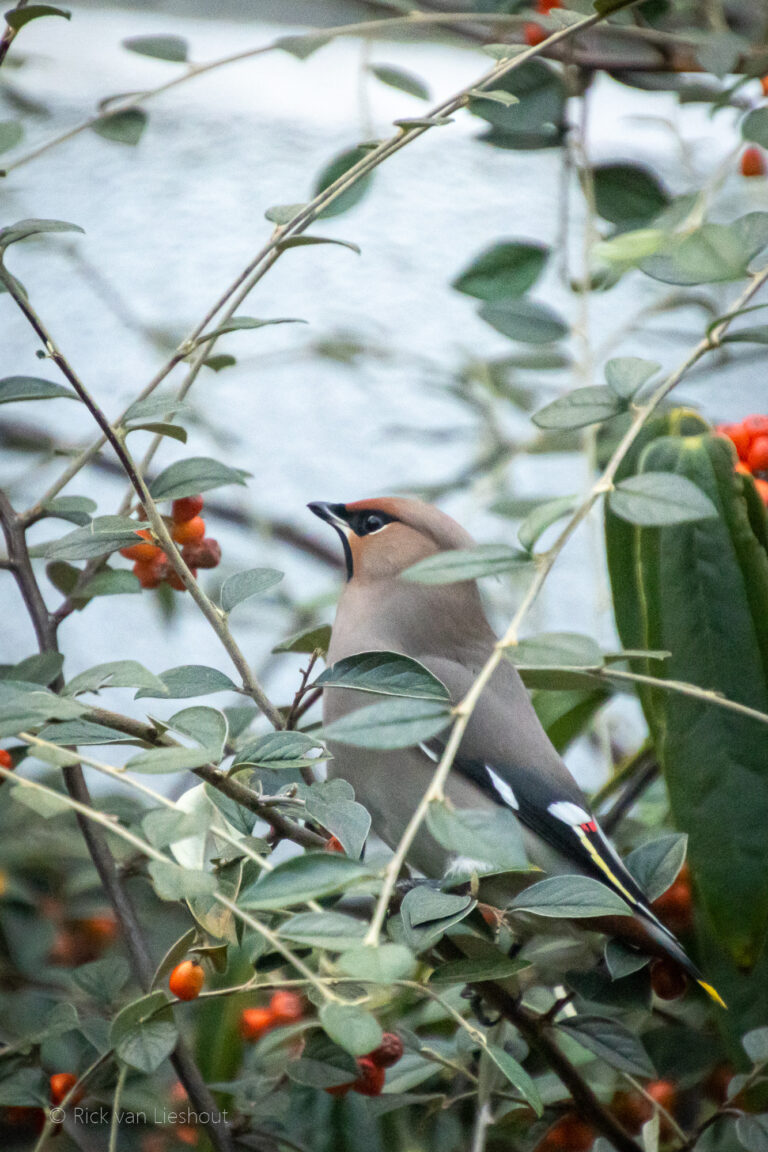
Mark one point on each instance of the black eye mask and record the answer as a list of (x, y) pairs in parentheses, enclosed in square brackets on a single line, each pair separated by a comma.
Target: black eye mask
[(369, 520)]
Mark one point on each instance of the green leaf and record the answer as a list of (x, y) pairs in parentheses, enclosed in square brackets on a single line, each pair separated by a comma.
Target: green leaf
[(122, 127), (656, 864), (278, 751), (517, 1076), (219, 361), (192, 476), (309, 241), (308, 877), (754, 126), (332, 804), (525, 320), (330, 930), (756, 1045), (164, 826), (103, 535), (172, 882), (623, 961), (556, 649), (283, 213), (490, 841), (173, 48), (612, 1042), (18, 17), (310, 640), (425, 904), (25, 1087), (543, 517), (143, 1033), (396, 723), (76, 509), (504, 271), (11, 134), (243, 585), (660, 498), (163, 760), (322, 1064), (400, 79), (303, 45), (536, 121), (109, 582), (25, 228), (497, 95), (155, 405), (41, 668), (626, 375), (629, 195), (579, 408), (570, 897), (354, 1029), (103, 979), (752, 1132), (82, 732), (115, 674), (173, 431), (382, 964), (239, 323), (207, 726), (466, 564), (189, 680), (473, 970), (387, 673), (713, 253), (14, 388), (332, 172), (44, 804)]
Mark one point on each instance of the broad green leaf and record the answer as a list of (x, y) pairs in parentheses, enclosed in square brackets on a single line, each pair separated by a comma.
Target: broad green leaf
[(173, 431), (630, 248), (656, 864), (752, 1132), (25, 228), (155, 405), (302, 878), (303, 45), (556, 649), (18, 17), (242, 585), (103, 979), (426, 914), (410, 122), (123, 127), (612, 1042), (495, 966), (143, 1033), (14, 388), (497, 95), (571, 897), (356, 1030), (383, 963), (543, 517), (11, 134), (628, 194), (623, 961), (41, 668), (400, 79), (386, 673), (207, 726), (109, 582), (283, 213), (172, 882), (25, 1087), (175, 954), (164, 826), (163, 760), (626, 375), (43, 804), (466, 564), (335, 170), (396, 723), (330, 930), (310, 640), (660, 498), (525, 320), (310, 241), (173, 48), (713, 253), (504, 271), (322, 1064), (189, 680), (332, 804), (193, 476), (103, 535), (82, 732), (756, 1045), (239, 323), (76, 509), (219, 361), (754, 126), (516, 1075), (489, 841), (536, 120), (279, 750), (115, 674), (579, 408)]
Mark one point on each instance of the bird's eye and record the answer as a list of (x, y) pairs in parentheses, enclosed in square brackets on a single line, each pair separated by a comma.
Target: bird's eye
[(372, 522)]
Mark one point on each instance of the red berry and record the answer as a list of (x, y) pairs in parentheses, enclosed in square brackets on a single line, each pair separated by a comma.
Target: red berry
[(752, 161), (668, 979), (739, 435), (764, 85), (189, 531), (569, 1134), (286, 1007), (151, 573), (186, 508), (340, 1089), (388, 1052), (187, 979), (5, 759), (756, 425), (175, 581), (61, 1083), (142, 551), (534, 34), (100, 930), (631, 1110), (333, 844), (544, 7), (254, 1022), (370, 1081), (757, 457), (205, 553), (664, 1092), (675, 906)]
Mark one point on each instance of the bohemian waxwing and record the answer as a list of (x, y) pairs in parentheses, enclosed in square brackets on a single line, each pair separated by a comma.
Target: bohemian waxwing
[(505, 757)]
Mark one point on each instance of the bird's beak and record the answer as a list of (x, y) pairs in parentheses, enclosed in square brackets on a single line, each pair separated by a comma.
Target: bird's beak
[(332, 514)]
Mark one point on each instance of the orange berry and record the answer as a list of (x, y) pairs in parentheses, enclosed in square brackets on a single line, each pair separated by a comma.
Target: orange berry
[(100, 930), (569, 1134), (739, 435), (286, 1007), (186, 508), (756, 425), (757, 457), (668, 979), (189, 531), (5, 759), (762, 489), (388, 1052), (254, 1022), (544, 7), (674, 907), (631, 1110), (764, 85), (142, 551), (371, 1078), (61, 1083), (742, 469), (187, 979), (174, 580), (186, 1134), (752, 161), (333, 844), (534, 34), (205, 553), (664, 1092), (151, 573)]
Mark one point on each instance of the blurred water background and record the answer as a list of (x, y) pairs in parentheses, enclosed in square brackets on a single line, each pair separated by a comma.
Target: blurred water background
[(170, 223)]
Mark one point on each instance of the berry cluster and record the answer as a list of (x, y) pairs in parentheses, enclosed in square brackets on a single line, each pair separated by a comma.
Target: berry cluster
[(750, 439), (372, 1068), (284, 1007), (151, 565)]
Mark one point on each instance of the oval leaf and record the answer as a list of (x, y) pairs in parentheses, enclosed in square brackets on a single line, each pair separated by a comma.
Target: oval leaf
[(396, 723), (655, 499), (192, 476), (387, 673), (243, 585), (570, 897)]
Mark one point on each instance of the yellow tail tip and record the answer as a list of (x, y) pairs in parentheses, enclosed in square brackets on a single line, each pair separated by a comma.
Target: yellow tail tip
[(712, 993)]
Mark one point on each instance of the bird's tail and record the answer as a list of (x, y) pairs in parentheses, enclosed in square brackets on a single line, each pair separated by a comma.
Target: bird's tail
[(673, 948)]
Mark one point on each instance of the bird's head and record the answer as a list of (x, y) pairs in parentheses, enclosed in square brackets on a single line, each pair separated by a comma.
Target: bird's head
[(384, 536)]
